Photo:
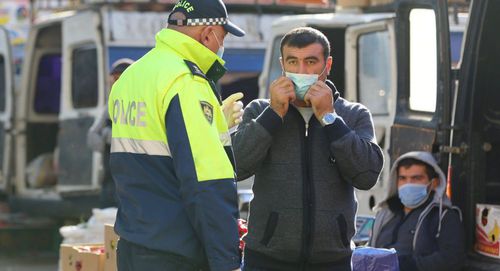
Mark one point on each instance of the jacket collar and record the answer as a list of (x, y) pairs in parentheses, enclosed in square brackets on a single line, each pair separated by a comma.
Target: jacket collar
[(190, 49), (336, 93)]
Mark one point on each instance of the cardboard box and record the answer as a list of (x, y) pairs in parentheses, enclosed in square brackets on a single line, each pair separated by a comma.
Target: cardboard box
[(353, 3), (464, 2), (110, 242), (380, 2), (488, 230), (81, 257)]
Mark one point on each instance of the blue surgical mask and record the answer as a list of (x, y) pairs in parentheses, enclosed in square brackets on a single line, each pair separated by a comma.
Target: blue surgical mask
[(302, 82), (220, 52), (413, 195)]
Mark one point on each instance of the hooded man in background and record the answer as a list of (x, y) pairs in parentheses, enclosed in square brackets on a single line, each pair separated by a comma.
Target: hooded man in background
[(417, 218)]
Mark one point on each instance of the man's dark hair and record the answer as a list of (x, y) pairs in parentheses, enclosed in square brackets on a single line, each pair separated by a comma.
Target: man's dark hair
[(408, 162), (304, 36), (120, 65)]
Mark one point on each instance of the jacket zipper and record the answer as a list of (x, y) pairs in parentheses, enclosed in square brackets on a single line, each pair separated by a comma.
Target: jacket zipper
[(307, 201)]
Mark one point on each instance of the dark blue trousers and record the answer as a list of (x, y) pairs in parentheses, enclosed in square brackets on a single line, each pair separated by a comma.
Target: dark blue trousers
[(132, 257)]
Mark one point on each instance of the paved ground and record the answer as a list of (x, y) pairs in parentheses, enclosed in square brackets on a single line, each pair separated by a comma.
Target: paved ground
[(29, 262), (27, 244)]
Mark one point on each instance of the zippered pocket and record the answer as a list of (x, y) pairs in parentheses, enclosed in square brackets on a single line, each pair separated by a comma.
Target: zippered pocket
[(272, 222)]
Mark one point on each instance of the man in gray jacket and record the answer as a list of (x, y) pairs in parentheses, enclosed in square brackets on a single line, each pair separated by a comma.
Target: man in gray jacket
[(99, 138), (308, 149), (417, 218)]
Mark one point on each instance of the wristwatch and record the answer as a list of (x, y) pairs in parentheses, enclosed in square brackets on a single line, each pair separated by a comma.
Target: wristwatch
[(329, 118)]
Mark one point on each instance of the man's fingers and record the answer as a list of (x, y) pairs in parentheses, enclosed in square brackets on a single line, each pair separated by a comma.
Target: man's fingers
[(238, 114), (237, 106), (233, 98), (291, 95), (285, 82), (308, 95), (280, 80), (314, 90), (238, 117)]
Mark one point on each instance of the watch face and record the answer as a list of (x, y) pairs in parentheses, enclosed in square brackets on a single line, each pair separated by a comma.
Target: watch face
[(328, 118)]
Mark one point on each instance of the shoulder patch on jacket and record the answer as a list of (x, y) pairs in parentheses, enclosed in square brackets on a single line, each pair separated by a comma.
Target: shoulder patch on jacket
[(208, 111), (195, 70)]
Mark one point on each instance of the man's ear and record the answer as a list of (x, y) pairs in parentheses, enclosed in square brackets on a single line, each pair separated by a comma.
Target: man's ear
[(434, 183), (282, 66), (205, 32), (329, 63)]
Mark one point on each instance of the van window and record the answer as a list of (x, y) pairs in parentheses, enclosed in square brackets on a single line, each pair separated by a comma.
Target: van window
[(423, 60), (275, 70), (48, 84), (84, 83), (374, 81), (2, 83), (456, 46)]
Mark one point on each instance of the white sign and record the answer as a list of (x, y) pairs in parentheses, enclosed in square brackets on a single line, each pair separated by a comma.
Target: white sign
[(141, 27)]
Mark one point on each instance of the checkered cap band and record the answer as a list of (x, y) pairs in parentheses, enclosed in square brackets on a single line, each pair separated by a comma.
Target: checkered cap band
[(200, 21), (206, 21)]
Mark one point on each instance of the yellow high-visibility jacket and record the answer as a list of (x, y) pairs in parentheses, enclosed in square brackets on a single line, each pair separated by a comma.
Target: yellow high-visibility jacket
[(171, 156)]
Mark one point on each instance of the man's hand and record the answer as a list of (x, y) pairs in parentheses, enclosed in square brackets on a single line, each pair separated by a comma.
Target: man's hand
[(233, 109), (282, 94), (320, 97)]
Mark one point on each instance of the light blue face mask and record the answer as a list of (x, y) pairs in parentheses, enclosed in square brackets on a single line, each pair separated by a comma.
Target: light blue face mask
[(413, 195), (302, 82), (220, 52)]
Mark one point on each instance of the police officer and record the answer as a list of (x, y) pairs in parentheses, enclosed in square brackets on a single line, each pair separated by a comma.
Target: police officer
[(171, 155)]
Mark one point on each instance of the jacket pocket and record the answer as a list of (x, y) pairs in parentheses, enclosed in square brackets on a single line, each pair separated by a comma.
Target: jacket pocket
[(272, 222), (331, 235)]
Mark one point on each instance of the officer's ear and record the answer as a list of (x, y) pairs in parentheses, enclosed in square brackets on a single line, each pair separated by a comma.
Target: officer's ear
[(205, 37)]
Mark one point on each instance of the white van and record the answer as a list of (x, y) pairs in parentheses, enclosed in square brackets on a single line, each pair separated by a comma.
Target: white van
[(47, 168)]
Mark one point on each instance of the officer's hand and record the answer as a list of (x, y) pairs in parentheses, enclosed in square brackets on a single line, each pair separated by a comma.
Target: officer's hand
[(233, 109), (320, 97), (237, 269), (282, 94)]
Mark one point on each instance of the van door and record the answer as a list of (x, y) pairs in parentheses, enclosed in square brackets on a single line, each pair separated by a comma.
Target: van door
[(37, 109), (6, 93), (423, 87), (370, 69), (476, 137), (82, 91)]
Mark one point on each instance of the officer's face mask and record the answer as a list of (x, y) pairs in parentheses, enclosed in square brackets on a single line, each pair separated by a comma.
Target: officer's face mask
[(220, 52), (302, 82), (413, 195)]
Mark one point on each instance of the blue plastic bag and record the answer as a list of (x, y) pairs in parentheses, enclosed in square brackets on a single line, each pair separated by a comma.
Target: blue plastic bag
[(374, 259)]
